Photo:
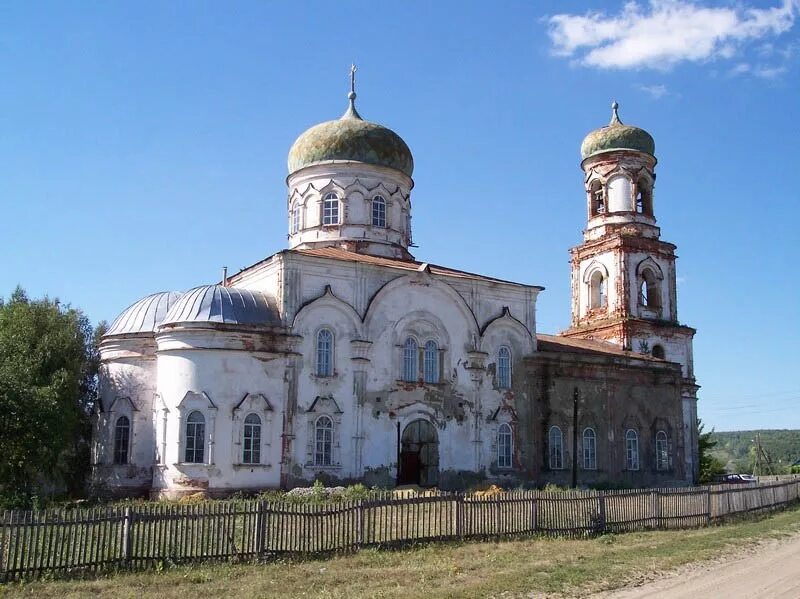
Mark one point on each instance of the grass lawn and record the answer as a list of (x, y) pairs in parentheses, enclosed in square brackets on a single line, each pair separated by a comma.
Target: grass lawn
[(512, 568)]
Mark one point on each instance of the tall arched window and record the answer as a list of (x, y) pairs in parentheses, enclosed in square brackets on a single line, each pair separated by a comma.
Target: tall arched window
[(597, 290), (324, 353), (410, 360), (295, 219), (596, 198), (378, 212), (330, 209), (556, 448), (631, 450), (662, 451), (644, 198), (195, 438), (650, 292), (589, 449), (505, 446), (323, 441), (251, 440), (431, 362), (658, 352), (122, 436), (504, 368)]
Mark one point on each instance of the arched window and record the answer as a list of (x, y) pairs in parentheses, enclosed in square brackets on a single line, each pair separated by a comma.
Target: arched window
[(504, 368), (324, 353), (330, 209), (649, 294), (644, 197), (505, 446), (597, 290), (631, 450), (431, 362), (410, 360), (195, 438), (122, 436), (596, 198), (589, 449), (658, 352), (556, 448), (378, 212), (251, 440), (295, 219), (323, 441), (662, 451)]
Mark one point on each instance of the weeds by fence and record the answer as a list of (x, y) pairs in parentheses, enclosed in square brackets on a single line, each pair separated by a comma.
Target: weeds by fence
[(80, 540)]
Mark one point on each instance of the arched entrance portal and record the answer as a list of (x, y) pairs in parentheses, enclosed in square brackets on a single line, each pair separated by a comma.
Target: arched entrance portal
[(419, 455)]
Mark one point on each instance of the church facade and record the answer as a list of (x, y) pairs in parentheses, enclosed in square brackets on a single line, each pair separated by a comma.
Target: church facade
[(343, 358)]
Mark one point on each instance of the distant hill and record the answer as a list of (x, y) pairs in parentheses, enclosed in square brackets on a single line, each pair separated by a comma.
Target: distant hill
[(736, 449)]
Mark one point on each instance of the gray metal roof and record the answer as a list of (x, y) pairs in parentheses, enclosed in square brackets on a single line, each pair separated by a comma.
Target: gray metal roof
[(145, 315), (230, 305)]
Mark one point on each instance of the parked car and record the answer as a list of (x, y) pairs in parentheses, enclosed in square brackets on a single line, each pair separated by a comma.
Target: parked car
[(736, 479)]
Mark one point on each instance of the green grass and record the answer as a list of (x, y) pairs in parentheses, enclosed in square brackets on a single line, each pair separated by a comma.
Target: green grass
[(508, 568)]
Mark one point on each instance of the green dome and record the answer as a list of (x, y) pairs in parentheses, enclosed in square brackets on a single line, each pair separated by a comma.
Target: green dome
[(617, 136), (351, 138)]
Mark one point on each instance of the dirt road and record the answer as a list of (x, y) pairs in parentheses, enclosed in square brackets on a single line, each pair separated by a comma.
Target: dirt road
[(771, 570)]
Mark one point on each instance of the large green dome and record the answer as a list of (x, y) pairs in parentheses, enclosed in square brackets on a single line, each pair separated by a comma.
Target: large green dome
[(617, 136), (351, 138)]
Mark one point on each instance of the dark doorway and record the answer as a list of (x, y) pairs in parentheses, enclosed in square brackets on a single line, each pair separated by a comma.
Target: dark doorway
[(419, 455)]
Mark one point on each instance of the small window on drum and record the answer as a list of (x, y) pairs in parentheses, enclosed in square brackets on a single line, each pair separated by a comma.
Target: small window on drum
[(378, 212), (330, 209)]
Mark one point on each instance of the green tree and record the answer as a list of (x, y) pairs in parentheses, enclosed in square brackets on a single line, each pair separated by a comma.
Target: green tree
[(48, 367), (710, 466)]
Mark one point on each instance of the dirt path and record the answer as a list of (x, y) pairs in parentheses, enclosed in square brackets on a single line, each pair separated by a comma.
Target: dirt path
[(770, 570)]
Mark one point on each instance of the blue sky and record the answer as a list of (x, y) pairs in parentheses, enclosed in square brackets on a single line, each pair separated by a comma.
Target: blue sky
[(144, 147)]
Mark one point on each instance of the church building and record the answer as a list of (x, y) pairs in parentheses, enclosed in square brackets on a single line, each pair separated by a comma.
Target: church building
[(344, 358)]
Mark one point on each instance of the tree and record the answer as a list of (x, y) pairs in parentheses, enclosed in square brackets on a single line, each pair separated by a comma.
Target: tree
[(710, 466), (48, 367)]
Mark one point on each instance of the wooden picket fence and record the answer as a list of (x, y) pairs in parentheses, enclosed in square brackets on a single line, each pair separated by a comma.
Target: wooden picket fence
[(84, 540)]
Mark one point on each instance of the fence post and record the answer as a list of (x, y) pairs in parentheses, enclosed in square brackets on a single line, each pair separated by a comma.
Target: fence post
[(459, 516), (360, 524), (261, 509), (602, 511), (127, 537), (3, 569), (708, 504), (656, 509), (534, 514)]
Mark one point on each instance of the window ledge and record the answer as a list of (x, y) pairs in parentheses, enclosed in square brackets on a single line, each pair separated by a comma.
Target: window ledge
[(315, 467), (202, 465), (252, 466)]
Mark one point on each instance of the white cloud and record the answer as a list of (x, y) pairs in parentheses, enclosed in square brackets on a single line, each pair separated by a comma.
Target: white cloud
[(665, 33), (655, 91)]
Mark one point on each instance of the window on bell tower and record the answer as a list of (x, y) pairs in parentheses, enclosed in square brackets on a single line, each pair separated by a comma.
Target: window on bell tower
[(597, 290), (644, 198), (649, 292), (596, 198)]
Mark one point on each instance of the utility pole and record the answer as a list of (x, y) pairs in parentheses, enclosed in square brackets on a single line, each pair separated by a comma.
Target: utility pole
[(575, 397)]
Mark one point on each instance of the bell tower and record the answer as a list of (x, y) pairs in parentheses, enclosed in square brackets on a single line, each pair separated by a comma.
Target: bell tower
[(623, 274)]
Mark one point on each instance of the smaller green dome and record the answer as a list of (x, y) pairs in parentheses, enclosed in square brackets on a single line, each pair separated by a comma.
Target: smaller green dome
[(351, 138), (617, 136)]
